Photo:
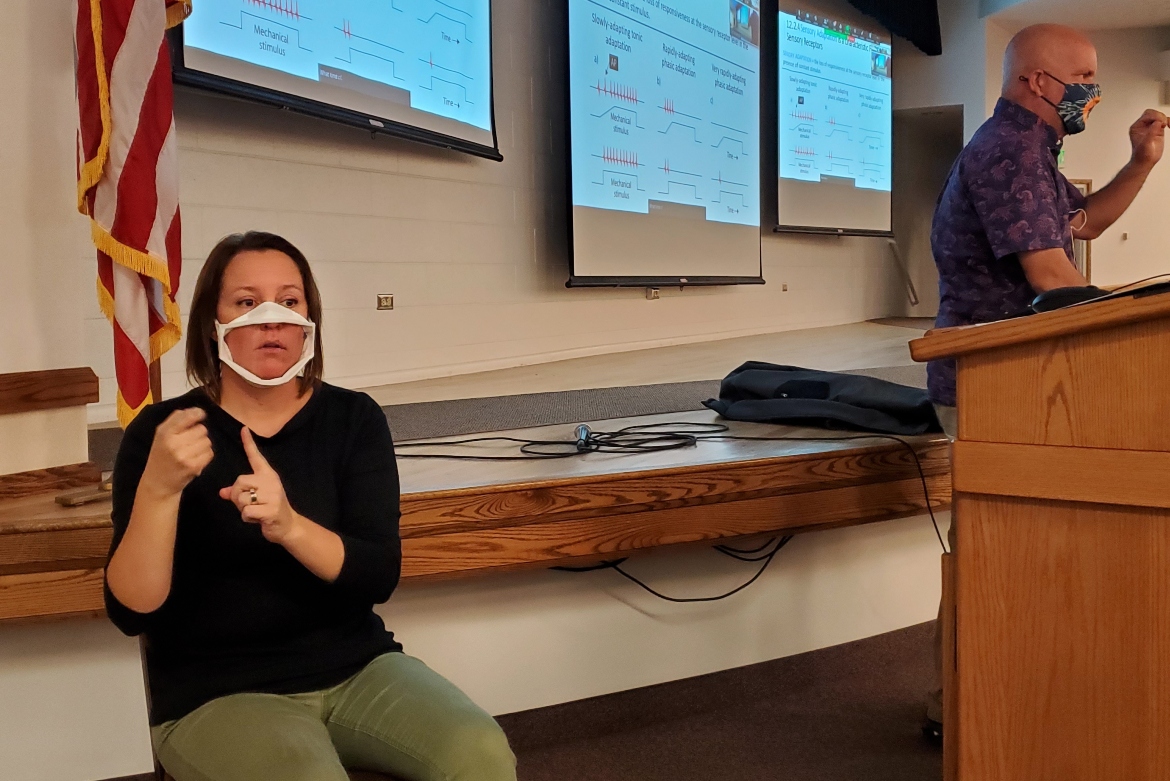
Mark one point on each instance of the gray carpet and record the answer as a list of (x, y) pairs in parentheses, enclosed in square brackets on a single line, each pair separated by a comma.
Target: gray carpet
[(845, 713), (917, 323), (499, 413)]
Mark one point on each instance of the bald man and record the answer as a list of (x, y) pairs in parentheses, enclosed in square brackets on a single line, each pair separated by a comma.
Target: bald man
[(1006, 219)]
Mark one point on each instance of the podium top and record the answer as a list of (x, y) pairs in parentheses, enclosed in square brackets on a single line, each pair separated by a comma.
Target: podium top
[(1149, 303)]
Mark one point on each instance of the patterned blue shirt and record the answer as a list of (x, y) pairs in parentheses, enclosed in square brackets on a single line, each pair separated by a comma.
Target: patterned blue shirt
[(1004, 195)]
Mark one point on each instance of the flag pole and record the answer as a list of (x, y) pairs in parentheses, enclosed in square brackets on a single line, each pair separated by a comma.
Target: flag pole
[(156, 381)]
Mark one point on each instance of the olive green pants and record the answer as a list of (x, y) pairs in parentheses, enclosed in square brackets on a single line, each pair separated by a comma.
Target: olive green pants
[(396, 716)]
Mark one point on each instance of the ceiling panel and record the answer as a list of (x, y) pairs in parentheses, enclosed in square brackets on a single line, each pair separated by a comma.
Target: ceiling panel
[(1089, 14)]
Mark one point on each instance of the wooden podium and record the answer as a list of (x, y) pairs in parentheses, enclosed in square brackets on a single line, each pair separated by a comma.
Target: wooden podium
[(1061, 573)]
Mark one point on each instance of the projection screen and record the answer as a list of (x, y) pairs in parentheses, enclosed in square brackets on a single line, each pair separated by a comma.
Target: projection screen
[(664, 101), (835, 114), (421, 69)]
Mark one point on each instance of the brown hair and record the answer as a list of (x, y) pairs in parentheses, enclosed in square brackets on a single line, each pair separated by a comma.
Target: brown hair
[(203, 366)]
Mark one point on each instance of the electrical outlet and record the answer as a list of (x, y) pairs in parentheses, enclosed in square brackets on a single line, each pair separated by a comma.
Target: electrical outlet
[(385, 301), (651, 294), (784, 287)]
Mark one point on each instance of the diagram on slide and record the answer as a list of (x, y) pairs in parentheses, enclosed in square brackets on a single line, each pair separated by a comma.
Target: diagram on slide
[(834, 105), (665, 107), (433, 55)]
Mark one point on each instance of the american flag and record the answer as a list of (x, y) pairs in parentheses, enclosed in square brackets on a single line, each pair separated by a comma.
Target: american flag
[(128, 179)]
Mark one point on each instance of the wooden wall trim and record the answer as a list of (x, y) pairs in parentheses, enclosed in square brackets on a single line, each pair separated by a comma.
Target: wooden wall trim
[(78, 592), (57, 478), (51, 557), (600, 537), (42, 595), (46, 551), (1135, 478), (445, 512), (49, 389)]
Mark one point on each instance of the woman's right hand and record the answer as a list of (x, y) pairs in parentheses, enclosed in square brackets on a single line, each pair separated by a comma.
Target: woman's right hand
[(180, 451), (139, 570)]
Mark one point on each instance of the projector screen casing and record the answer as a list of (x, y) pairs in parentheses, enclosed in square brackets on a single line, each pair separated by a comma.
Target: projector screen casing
[(577, 279), (190, 77), (839, 9)]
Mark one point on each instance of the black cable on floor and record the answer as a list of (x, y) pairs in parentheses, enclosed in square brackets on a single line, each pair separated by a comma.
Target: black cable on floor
[(399, 447), (731, 551), (749, 556), (643, 438), (766, 559), (592, 567)]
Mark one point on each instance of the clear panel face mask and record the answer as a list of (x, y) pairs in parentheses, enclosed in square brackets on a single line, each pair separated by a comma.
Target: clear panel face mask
[(268, 312)]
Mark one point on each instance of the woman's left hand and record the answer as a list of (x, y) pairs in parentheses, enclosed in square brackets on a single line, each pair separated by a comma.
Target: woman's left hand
[(261, 498)]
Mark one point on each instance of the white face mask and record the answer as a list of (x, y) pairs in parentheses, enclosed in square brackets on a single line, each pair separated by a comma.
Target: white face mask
[(268, 312)]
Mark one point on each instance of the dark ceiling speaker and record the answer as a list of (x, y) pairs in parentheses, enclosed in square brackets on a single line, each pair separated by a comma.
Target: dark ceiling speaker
[(914, 20)]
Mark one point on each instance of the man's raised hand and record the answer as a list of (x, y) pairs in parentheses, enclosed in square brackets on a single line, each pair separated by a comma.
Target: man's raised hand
[(1148, 137)]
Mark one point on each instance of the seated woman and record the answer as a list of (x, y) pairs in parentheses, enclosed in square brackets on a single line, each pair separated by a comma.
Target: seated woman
[(255, 527)]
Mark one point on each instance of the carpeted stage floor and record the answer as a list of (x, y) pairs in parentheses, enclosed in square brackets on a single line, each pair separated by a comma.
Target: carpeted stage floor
[(848, 713)]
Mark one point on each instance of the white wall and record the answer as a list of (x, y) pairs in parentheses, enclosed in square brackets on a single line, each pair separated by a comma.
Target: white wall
[(573, 635), (42, 439), (989, 7), (43, 265), (996, 36), (44, 269), (72, 704)]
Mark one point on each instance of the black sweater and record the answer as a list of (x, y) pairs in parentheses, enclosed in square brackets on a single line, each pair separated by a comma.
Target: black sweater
[(242, 613)]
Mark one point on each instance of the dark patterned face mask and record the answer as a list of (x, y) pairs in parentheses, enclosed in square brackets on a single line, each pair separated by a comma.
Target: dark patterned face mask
[(1074, 107)]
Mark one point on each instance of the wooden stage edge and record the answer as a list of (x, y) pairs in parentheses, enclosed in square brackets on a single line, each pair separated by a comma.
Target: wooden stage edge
[(51, 557)]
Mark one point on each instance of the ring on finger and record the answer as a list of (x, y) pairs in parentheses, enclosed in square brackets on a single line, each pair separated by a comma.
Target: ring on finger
[(252, 496)]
